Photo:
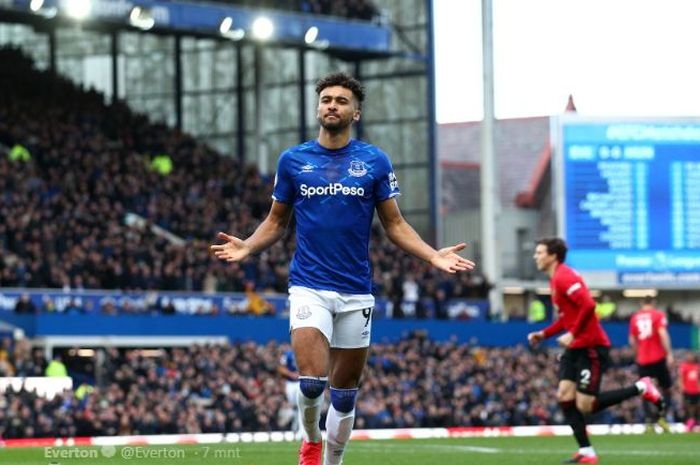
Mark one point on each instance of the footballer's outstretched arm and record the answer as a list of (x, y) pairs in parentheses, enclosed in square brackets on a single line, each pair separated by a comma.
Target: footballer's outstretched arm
[(404, 236), (267, 233)]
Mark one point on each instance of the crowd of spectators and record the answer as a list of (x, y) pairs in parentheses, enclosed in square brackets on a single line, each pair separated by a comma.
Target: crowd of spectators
[(234, 388), (63, 210)]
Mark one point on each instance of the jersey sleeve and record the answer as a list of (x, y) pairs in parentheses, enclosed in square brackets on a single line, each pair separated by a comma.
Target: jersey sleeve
[(284, 183), (386, 185), (555, 328), (661, 321)]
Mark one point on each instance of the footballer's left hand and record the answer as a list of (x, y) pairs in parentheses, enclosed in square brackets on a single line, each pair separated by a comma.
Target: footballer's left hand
[(565, 339), (446, 259)]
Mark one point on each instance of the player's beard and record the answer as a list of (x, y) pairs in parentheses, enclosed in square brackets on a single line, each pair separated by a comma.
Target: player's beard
[(339, 125)]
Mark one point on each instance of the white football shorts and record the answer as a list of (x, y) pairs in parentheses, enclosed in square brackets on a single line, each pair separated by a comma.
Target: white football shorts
[(345, 319)]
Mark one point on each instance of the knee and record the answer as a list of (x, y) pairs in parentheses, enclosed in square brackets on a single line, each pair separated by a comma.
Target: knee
[(311, 387), (584, 406), (343, 400), (564, 395)]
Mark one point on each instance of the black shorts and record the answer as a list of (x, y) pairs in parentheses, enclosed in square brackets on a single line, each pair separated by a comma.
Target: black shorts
[(585, 367), (691, 399), (658, 371)]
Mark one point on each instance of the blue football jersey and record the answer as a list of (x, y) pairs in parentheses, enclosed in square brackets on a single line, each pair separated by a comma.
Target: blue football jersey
[(334, 193)]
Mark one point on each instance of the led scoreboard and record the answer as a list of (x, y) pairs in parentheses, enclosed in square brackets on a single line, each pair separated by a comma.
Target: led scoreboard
[(628, 194)]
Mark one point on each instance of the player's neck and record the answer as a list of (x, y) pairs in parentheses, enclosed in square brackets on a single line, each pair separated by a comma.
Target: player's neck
[(333, 140), (552, 268)]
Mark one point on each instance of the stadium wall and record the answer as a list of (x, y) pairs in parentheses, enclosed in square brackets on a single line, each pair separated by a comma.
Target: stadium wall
[(262, 330)]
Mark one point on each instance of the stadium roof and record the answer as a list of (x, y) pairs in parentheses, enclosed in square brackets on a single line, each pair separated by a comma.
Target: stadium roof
[(523, 149)]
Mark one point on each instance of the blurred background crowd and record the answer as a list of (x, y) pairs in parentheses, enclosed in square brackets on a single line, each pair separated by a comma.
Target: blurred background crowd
[(233, 388), (78, 169)]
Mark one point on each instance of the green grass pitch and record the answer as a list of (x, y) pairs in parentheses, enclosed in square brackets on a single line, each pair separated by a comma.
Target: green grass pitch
[(650, 449)]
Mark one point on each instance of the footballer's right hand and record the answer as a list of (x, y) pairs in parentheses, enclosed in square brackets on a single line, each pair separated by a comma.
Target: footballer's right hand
[(233, 250), (535, 337)]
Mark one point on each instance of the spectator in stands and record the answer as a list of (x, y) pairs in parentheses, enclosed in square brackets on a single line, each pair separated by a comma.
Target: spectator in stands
[(605, 309), (56, 368), (25, 305), (256, 304)]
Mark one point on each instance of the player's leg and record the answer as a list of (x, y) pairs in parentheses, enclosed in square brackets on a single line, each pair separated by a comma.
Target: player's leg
[(348, 357), (566, 395), (598, 360), (650, 412), (692, 410), (311, 326), (663, 376), (346, 370), (312, 354), (292, 392)]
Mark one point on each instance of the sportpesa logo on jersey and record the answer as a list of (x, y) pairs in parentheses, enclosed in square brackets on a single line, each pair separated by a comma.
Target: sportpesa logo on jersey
[(331, 189)]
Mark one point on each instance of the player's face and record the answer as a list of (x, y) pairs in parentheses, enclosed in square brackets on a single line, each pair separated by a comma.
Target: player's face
[(337, 108), (543, 259)]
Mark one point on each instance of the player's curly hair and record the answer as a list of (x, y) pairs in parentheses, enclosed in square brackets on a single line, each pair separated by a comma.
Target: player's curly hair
[(555, 246), (342, 79)]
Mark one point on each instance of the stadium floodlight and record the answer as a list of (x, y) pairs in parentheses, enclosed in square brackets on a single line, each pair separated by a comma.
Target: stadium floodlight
[(142, 18), (35, 5), (311, 35), (39, 7), (77, 9), (226, 29), (226, 24), (263, 28)]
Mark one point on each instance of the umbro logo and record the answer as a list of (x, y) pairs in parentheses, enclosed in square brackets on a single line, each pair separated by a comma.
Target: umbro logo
[(307, 168)]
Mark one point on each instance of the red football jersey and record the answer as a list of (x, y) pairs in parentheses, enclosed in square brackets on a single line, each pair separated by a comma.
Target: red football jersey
[(644, 326), (576, 309), (690, 378)]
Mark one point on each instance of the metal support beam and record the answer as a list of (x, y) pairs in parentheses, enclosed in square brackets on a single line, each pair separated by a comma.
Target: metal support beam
[(359, 126), (240, 105), (260, 143), (178, 82), (490, 191), (435, 187), (114, 54), (52, 50), (302, 95)]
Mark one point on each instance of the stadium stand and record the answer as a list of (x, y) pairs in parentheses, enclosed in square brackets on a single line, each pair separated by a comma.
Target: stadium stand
[(234, 388), (62, 219)]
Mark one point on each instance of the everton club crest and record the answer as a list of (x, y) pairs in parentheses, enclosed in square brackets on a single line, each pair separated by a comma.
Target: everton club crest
[(357, 168)]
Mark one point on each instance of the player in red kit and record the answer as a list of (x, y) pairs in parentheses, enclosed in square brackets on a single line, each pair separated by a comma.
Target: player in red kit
[(649, 337), (585, 357), (690, 383)]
